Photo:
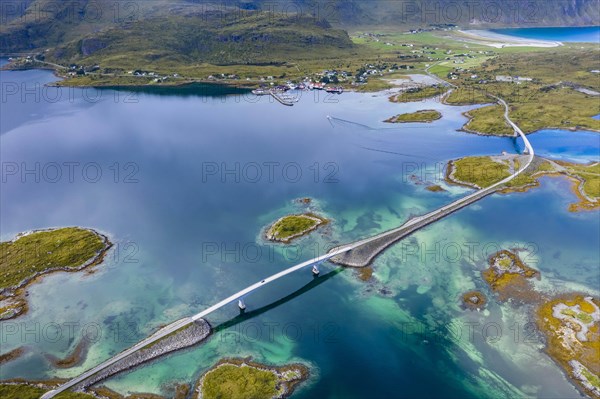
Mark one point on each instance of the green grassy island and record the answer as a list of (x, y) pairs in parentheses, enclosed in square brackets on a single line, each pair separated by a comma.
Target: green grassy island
[(242, 379), (418, 94), (290, 227), (483, 171), (426, 115), (31, 255)]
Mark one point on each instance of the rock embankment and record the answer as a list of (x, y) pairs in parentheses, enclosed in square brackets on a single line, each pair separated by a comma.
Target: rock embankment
[(184, 338)]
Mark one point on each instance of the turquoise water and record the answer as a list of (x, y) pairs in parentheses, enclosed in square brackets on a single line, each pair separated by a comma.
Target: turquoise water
[(402, 334), (590, 34)]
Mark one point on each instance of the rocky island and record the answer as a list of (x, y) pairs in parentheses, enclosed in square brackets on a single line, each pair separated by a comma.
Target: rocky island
[(244, 379), (508, 276), (473, 300), (291, 227), (571, 325), (34, 254)]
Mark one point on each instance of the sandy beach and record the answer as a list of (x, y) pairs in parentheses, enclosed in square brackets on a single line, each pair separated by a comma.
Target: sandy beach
[(498, 40)]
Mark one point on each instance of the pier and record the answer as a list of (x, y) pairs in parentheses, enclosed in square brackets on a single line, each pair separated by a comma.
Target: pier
[(282, 98)]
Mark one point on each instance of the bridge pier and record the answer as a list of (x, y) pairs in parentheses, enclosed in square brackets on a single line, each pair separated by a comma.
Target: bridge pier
[(241, 305)]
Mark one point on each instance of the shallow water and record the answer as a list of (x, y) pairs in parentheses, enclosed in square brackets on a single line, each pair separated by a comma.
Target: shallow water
[(185, 185), (590, 34)]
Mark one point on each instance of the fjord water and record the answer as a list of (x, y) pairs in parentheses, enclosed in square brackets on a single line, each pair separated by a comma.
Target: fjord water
[(588, 34), (144, 173)]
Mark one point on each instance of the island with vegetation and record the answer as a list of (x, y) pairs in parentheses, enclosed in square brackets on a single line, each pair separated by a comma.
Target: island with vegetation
[(244, 379), (291, 227), (483, 171), (34, 254), (508, 276), (422, 116), (571, 325)]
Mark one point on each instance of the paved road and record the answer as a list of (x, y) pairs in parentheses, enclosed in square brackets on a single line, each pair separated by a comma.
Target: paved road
[(411, 224)]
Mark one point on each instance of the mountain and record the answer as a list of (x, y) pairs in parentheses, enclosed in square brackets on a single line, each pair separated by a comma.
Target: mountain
[(248, 31), (252, 38)]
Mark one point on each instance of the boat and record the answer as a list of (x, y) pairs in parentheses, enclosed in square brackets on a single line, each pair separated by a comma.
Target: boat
[(260, 92), (335, 90)]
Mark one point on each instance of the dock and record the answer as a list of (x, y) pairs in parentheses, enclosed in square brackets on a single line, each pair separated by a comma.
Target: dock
[(285, 100)]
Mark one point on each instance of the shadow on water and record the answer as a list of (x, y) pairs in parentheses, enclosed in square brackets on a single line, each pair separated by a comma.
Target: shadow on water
[(248, 315), (212, 90)]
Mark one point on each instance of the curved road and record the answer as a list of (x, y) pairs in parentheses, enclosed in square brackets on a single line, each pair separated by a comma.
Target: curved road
[(336, 251)]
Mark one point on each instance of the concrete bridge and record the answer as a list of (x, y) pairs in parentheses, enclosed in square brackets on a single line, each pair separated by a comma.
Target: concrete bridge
[(362, 253), (356, 254)]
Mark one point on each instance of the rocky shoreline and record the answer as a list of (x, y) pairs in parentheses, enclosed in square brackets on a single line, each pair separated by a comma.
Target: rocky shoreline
[(184, 338)]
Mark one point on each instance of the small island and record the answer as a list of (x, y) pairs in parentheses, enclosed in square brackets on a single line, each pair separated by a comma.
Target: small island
[(473, 300), (571, 326), (482, 171), (34, 254), (244, 379), (435, 188), (508, 276), (422, 116), (291, 227)]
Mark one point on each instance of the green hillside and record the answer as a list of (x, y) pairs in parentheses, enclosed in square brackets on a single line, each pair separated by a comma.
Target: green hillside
[(255, 38)]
